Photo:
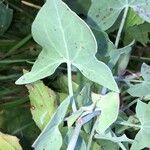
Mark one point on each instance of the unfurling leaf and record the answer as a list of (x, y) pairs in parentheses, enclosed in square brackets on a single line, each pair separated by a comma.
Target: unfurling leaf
[(65, 38), (43, 103), (8, 142)]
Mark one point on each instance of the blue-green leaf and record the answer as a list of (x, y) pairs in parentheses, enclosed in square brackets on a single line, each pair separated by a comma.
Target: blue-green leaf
[(142, 138), (51, 136), (108, 104), (104, 13), (65, 38), (6, 15), (143, 88)]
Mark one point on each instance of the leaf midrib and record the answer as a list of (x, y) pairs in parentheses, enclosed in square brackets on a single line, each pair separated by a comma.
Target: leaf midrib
[(62, 31)]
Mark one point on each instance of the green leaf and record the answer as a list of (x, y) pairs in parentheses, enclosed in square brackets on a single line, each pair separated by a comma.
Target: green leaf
[(142, 138), (104, 13), (117, 55), (138, 33), (65, 40), (43, 103), (6, 15), (133, 19), (108, 104), (51, 134), (143, 88), (61, 84), (71, 119), (79, 6), (107, 51), (8, 142), (105, 145), (109, 136)]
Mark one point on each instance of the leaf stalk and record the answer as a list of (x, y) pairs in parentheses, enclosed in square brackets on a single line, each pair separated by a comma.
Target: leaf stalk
[(121, 26)]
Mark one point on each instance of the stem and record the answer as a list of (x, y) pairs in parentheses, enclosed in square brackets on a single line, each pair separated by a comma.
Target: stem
[(92, 134), (70, 86), (31, 4), (74, 137), (141, 59), (120, 144), (121, 26), (80, 123), (129, 124)]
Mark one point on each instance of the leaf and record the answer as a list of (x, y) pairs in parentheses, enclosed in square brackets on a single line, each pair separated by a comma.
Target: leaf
[(110, 137), (142, 138), (108, 104), (79, 6), (117, 55), (22, 124), (133, 19), (6, 15), (138, 33), (8, 142), (43, 103), (107, 51), (105, 144), (143, 88), (104, 13), (65, 40), (61, 84), (51, 134), (71, 119), (80, 145)]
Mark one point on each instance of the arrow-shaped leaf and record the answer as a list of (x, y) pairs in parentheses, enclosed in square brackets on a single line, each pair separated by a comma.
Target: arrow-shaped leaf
[(65, 38), (142, 138), (105, 12), (143, 88)]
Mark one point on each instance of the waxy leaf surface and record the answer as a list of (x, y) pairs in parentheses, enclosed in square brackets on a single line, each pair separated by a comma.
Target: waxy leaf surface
[(65, 38), (104, 13), (109, 106), (51, 136), (142, 138), (143, 88)]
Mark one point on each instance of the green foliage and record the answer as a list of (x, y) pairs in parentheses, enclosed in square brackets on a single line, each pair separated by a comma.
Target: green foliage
[(70, 46), (133, 19), (143, 88), (108, 104), (77, 105), (9, 142), (105, 13), (139, 33), (142, 138), (52, 129), (43, 103), (6, 15)]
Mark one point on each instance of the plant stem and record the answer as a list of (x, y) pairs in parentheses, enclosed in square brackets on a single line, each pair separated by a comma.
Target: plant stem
[(129, 124), (120, 144), (70, 86), (80, 123), (92, 134), (121, 26), (141, 59)]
